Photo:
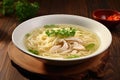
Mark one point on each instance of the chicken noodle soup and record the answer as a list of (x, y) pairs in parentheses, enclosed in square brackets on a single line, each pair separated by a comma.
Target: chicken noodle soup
[(62, 41)]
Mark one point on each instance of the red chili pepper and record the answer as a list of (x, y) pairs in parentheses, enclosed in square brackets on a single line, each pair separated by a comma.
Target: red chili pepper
[(114, 17)]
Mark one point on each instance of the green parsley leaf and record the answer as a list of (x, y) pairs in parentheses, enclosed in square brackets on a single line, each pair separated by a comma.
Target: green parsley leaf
[(50, 26), (34, 51), (90, 46), (73, 56)]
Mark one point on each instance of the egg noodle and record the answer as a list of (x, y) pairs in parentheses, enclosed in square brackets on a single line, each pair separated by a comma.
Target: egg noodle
[(82, 43)]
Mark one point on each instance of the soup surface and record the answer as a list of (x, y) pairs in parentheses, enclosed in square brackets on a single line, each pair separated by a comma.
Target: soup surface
[(61, 41)]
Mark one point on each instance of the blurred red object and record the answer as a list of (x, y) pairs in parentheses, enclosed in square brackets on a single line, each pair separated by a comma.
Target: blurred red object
[(114, 17), (110, 18)]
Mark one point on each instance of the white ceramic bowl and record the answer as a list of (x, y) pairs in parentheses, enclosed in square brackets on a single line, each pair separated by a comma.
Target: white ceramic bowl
[(25, 27)]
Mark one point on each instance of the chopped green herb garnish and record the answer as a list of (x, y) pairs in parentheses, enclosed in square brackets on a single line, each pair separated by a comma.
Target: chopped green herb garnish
[(73, 56), (90, 46), (34, 51), (50, 26), (61, 32), (27, 35)]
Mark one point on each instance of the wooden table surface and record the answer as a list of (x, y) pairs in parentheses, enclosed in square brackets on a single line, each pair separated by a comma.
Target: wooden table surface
[(11, 71)]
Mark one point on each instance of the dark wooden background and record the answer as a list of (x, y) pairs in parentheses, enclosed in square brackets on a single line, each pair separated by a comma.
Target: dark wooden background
[(111, 69)]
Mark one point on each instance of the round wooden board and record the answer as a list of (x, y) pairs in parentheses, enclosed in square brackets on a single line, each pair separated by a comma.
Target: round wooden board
[(34, 65)]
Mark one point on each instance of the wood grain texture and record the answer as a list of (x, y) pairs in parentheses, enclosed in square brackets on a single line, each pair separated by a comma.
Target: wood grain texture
[(35, 65), (110, 70)]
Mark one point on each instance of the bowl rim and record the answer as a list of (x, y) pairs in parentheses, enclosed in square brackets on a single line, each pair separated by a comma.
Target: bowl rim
[(72, 59)]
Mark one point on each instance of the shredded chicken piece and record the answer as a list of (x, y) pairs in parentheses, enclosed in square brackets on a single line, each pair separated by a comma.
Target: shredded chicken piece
[(78, 46), (64, 46), (74, 52), (55, 48), (68, 45), (67, 51), (74, 39)]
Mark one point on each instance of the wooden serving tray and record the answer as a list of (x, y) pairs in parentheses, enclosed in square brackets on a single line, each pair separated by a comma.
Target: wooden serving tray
[(32, 64)]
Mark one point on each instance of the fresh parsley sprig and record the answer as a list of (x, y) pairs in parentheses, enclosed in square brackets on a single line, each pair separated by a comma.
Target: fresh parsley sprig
[(23, 9), (7, 7)]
